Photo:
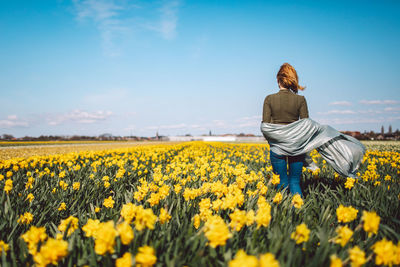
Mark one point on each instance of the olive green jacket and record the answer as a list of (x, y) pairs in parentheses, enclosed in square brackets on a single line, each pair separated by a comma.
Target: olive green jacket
[(284, 107)]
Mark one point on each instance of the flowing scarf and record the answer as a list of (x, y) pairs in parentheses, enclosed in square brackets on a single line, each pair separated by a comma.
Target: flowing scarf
[(343, 152)]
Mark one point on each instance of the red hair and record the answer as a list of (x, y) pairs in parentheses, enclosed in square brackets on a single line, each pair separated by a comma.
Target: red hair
[(287, 78)]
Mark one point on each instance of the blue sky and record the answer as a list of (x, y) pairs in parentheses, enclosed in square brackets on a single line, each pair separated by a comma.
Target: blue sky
[(136, 67)]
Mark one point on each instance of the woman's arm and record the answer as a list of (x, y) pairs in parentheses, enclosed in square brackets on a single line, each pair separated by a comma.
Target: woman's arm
[(303, 109), (266, 111)]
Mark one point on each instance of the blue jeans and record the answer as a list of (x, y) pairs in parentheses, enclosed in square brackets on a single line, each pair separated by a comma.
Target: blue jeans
[(279, 165)]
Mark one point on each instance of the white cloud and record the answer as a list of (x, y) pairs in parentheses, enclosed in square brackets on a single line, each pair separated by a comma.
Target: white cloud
[(370, 111), (379, 102), (107, 16), (12, 117), (333, 121), (166, 26), (343, 112), (169, 19), (392, 109), (13, 121), (115, 20), (340, 103), (79, 116)]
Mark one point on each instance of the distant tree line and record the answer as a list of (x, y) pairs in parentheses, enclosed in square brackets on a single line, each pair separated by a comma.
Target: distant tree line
[(371, 135)]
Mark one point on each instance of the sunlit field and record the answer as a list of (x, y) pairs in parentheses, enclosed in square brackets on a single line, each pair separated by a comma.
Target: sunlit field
[(10, 150), (195, 204)]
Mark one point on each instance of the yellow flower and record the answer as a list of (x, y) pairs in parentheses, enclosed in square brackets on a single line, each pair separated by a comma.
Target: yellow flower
[(297, 201), (28, 185), (216, 231), (164, 216), (1, 177), (104, 238), (128, 212), (346, 214), (91, 227), (76, 185), (344, 235), (9, 174), (97, 209), (125, 232), (205, 208), (124, 261), (177, 188), (335, 261), (397, 253), (33, 236), (263, 216), (8, 186), (275, 179), (242, 259), (30, 197), (145, 257), (357, 256), (59, 236), (63, 206), (301, 234), (63, 185), (349, 183), (268, 260), (238, 219), (196, 221), (26, 218), (144, 218), (109, 202), (371, 222), (61, 174), (385, 252), (71, 223), (51, 252), (277, 198), (3, 247), (250, 217)]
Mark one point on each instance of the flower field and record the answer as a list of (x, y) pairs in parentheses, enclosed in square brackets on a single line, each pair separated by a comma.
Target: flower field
[(195, 204), (10, 150)]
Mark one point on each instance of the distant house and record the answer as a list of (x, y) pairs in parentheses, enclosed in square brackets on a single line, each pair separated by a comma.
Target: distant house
[(354, 134)]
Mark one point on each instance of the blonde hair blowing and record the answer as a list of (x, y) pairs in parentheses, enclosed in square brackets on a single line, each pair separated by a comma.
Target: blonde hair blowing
[(287, 78)]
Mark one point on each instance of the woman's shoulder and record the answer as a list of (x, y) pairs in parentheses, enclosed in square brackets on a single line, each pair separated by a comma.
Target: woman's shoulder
[(269, 97), (299, 97)]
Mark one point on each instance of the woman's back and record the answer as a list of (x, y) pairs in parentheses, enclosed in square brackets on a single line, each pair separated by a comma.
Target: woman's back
[(284, 107)]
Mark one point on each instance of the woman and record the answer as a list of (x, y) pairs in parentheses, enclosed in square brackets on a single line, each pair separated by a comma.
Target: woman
[(285, 107)]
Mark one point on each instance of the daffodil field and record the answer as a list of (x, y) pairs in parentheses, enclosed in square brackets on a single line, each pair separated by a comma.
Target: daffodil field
[(196, 204)]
